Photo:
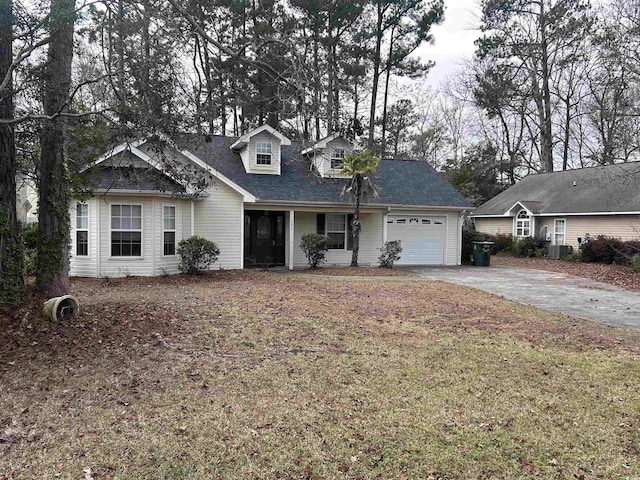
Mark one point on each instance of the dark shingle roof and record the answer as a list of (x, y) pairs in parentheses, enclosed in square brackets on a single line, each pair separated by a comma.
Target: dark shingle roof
[(402, 182), (612, 188), (130, 178)]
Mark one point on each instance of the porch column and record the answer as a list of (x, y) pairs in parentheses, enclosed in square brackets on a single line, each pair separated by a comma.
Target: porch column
[(292, 221)]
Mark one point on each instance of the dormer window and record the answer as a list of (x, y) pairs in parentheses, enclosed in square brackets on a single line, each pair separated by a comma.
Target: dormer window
[(337, 158), (263, 153)]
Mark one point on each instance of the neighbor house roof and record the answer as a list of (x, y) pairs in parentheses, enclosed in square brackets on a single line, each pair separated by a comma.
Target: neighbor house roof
[(605, 189), (401, 182)]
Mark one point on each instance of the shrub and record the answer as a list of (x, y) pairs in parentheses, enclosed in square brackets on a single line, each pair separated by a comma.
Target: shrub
[(468, 237), (635, 262), (603, 249), (527, 247), (314, 247), (196, 254), (389, 253)]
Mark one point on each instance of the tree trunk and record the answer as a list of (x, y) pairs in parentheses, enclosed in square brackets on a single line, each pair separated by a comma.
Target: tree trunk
[(11, 255), (355, 223), (53, 255), (386, 98), (376, 76), (546, 140)]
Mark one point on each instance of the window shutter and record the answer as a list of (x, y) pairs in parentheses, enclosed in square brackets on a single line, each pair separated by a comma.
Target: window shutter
[(320, 221), (349, 232)]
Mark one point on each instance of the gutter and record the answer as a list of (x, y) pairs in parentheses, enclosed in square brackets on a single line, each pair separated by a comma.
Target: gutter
[(387, 206)]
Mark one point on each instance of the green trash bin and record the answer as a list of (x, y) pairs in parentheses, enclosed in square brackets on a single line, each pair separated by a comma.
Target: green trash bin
[(482, 253)]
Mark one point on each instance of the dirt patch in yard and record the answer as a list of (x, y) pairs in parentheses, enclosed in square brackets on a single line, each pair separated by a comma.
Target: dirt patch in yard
[(619, 275), (266, 375)]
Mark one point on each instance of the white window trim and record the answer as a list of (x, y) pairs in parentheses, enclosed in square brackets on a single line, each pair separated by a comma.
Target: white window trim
[(333, 156), (346, 230), (262, 153), (78, 229), (111, 230), (556, 232), (517, 220), (174, 230)]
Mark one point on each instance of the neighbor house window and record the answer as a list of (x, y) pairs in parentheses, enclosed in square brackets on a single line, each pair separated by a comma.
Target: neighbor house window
[(337, 157), (82, 229), (336, 232), (263, 152), (523, 224), (126, 230), (559, 230), (169, 229)]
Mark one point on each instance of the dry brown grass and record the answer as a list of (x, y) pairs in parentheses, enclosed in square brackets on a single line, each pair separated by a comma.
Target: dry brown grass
[(269, 375)]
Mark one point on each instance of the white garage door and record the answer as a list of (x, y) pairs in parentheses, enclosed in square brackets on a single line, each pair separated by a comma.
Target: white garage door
[(422, 238)]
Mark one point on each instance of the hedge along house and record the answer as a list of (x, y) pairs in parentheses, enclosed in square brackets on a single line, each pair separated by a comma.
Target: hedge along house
[(267, 192), (562, 207)]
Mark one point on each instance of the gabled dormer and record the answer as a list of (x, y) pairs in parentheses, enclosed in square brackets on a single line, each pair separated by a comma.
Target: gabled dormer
[(260, 150), (326, 155)]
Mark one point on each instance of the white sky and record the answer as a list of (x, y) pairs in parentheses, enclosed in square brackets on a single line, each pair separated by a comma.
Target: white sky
[(453, 39)]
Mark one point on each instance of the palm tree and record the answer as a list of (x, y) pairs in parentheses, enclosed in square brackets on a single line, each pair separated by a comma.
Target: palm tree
[(361, 167)]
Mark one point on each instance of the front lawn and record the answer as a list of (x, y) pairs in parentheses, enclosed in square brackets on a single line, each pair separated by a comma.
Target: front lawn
[(256, 375)]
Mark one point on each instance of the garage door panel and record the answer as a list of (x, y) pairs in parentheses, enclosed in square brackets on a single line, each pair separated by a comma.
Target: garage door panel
[(422, 237)]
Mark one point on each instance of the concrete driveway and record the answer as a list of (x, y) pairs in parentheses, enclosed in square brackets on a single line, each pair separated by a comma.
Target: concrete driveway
[(558, 292)]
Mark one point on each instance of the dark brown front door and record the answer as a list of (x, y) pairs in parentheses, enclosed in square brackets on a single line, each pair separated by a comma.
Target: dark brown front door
[(263, 239)]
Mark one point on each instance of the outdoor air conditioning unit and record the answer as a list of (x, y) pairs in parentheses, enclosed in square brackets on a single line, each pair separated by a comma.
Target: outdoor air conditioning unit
[(559, 252)]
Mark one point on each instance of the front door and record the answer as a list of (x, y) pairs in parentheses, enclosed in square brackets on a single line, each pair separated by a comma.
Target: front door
[(264, 239)]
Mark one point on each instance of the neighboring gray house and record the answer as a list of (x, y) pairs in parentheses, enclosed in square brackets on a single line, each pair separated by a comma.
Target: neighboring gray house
[(564, 206), (267, 193)]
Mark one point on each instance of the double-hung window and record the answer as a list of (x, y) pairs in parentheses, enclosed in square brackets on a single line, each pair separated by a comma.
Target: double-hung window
[(337, 158), (523, 224), (336, 232), (82, 229), (169, 229), (559, 230), (126, 230), (263, 153)]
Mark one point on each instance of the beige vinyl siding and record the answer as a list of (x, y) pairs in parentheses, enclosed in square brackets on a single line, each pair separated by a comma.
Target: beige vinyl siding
[(219, 218), (624, 227), (370, 240), (493, 226), (84, 266), (452, 233), (542, 222)]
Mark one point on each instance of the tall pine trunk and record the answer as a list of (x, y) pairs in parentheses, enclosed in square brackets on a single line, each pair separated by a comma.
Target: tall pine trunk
[(376, 75), (53, 255), (355, 223), (11, 256)]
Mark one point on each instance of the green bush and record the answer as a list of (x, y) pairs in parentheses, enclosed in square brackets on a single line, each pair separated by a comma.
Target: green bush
[(390, 253), (468, 237), (635, 262), (314, 247), (196, 254), (529, 247)]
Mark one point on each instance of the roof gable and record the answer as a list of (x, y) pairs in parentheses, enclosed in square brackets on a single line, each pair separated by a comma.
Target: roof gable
[(246, 138)]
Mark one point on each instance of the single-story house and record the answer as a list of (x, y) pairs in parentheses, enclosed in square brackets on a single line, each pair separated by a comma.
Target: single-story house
[(267, 192), (563, 207)]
